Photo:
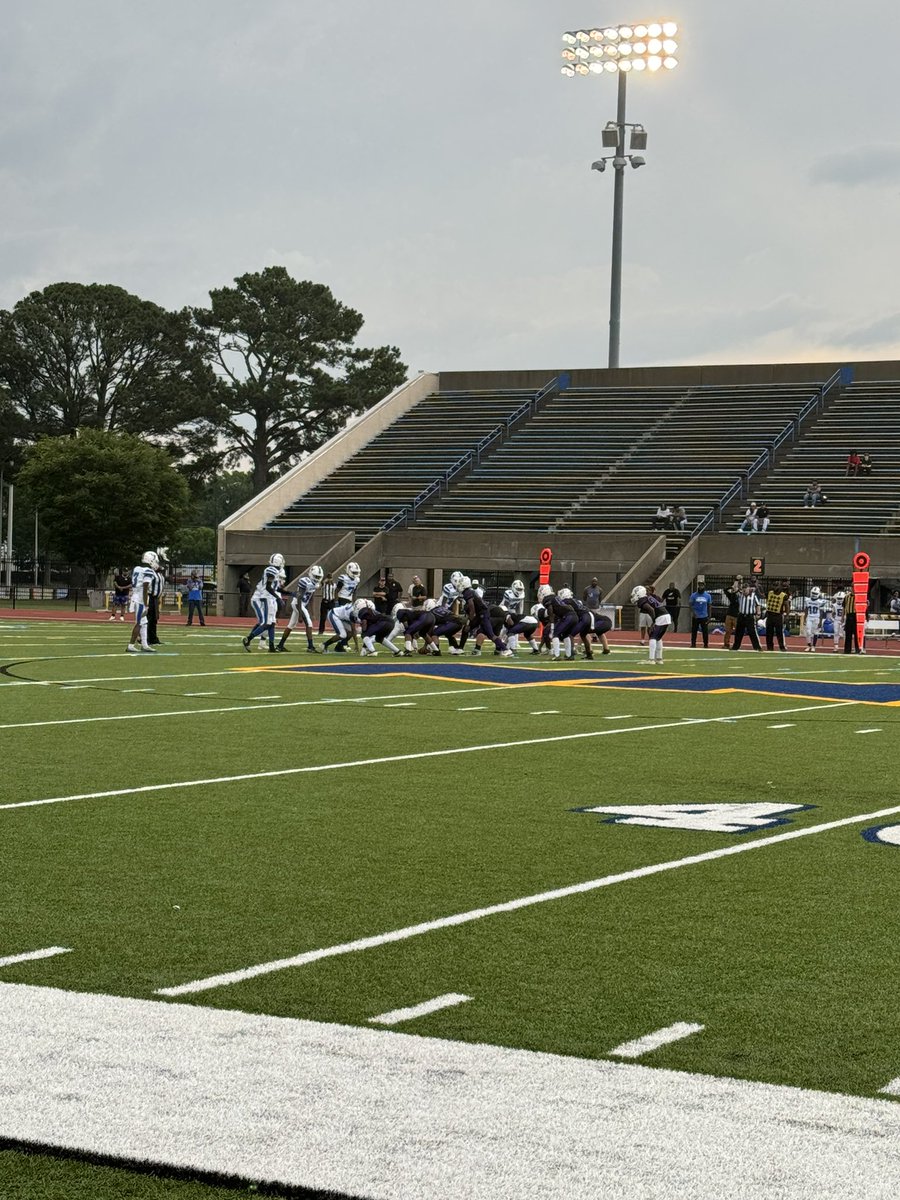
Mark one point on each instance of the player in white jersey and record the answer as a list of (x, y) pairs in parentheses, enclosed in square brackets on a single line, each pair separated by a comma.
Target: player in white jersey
[(143, 579), (347, 583), (813, 616), (514, 598), (265, 603), (837, 619), (343, 622), (303, 591), (452, 590)]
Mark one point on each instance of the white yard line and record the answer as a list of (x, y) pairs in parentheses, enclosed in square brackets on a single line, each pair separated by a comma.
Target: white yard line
[(545, 712), (652, 1041), (392, 758), (402, 704), (48, 952), (868, 731), (789, 725), (890, 1089), (397, 1015), (201, 694), (620, 717)]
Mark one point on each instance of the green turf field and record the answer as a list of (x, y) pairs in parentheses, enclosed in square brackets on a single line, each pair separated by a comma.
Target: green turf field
[(208, 812)]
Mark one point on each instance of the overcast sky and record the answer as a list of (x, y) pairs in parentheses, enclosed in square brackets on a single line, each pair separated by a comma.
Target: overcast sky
[(430, 164)]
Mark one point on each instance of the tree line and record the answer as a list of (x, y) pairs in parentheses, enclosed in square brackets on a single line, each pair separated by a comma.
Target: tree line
[(126, 425)]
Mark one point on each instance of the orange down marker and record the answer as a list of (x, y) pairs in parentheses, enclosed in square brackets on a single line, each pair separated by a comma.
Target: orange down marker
[(544, 565), (861, 594)]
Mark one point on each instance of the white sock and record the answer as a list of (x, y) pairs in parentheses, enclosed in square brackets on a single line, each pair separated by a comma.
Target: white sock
[(653, 645), (570, 647), (369, 644), (513, 643), (535, 644), (554, 645)]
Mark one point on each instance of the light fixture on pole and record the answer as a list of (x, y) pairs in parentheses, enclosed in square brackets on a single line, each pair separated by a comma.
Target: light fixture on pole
[(619, 50)]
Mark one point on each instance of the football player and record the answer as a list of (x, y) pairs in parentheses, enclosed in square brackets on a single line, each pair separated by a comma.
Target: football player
[(302, 593), (347, 583), (374, 627), (143, 578), (660, 619), (343, 621), (520, 625), (266, 599), (514, 598), (451, 591), (813, 615), (837, 618), (479, 617), (560, 617)]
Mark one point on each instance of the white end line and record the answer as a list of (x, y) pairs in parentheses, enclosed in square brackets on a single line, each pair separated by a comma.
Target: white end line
[(48, 952), (652, 1041), (396, 1015)]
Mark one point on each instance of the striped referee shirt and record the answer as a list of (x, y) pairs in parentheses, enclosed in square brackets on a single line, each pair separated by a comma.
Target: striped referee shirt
[(749, 605), (328, 591)]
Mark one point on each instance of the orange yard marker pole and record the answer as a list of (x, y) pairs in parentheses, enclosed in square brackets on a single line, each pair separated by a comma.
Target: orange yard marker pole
[(861, 594)]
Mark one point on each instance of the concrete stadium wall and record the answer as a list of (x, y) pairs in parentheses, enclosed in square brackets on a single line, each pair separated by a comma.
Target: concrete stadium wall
[(676, 376)]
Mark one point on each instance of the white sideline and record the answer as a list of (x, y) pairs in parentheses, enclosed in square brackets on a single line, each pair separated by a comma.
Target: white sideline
[(48, 952), (653, 1041), (392, 758), (397, 1015), (393, 1116)]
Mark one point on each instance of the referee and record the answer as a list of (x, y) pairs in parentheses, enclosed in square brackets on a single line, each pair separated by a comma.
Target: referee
[(748, 611), (326, 604)]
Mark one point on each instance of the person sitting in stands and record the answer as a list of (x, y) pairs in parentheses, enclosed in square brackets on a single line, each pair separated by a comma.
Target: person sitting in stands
[(853, 461), (762, 517), (749, 523), (813, 495), (865, 464), (679, 518), (663, 518)]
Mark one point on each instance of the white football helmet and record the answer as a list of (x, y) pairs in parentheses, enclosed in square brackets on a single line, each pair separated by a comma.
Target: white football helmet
[(277, 560), (815, 593), (537, 611), (396, 609), (353, 570), (544, 591), (359, 605), (316, 574), (430, 604), (638, 593), (151, 559), (839, 596), (464, 583), (456, 579), (518, 588), (475, 583)]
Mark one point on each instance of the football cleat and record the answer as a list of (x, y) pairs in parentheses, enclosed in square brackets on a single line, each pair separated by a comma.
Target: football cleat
[(131, 648)]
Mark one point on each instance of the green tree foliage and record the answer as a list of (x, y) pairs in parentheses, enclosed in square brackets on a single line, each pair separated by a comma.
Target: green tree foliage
[(103, 498), (12, 432), (77, 356), (289, 375), (220, 496), (193, 544)]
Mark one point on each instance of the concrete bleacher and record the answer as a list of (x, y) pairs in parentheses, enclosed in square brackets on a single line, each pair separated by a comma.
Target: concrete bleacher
[(385, 476), (597, 459), (864, 417)]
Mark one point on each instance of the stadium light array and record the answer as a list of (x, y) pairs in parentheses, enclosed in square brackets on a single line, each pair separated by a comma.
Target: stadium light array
[(620, 50), (624, 48)]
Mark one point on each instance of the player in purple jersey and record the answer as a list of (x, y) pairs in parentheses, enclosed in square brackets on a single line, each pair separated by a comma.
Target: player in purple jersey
[(661, 618), (374, 627), (479, 617)]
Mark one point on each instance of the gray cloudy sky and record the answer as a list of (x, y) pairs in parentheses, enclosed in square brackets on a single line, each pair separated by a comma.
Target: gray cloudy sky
[(429, 163)]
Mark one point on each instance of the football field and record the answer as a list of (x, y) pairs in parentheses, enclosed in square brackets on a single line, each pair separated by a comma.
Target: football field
[(691, 867)]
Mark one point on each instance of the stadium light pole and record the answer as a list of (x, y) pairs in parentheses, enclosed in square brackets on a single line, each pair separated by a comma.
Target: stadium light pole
[(619, 50)]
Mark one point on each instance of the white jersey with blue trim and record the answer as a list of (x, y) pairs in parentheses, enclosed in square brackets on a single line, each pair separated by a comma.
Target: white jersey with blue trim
[(305, 589), (271, 581), (344, 612), (449, 594), (139, 576), (346, 586), (512, 602), (815, 610)]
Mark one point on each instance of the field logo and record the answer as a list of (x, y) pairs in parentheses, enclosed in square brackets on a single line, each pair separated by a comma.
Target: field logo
[(713, 818), (887, 835)]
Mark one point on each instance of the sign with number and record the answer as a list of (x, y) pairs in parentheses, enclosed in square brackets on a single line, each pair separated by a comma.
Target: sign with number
[(757, 566)]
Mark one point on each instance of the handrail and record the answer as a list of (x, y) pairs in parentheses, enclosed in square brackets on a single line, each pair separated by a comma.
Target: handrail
[(473, 457)]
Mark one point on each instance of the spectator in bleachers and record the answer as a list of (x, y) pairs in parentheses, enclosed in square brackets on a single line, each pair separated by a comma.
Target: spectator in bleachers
[(865, 464), (853, 461), (748, 525), (814, 495), (662, 518), (762, 517), (679, 518), (894, 606)]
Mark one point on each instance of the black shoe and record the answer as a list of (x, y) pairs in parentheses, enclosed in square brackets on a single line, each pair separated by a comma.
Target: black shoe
[(272, 650), (281, 648), (245, 642), (570, 658), (313, 650), (340, 649), (607, 651)]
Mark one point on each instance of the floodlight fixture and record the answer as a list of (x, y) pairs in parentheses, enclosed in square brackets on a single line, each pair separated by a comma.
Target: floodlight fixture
[(634, 47), (599, 165), (610, 134), (638, 140), (636, 161)]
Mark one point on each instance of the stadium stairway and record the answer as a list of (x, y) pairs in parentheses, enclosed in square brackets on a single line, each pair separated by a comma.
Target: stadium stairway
[(864, 417)]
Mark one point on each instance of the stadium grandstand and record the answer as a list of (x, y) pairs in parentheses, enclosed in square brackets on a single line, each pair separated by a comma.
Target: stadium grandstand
[(487, 468)]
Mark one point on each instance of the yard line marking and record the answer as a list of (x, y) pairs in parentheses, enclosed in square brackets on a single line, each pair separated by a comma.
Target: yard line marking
[(75, 687), (255, 697), (652, 1041), (48, 952), (473, 708), (545, 712), (125, 692), (622, 717), (396, 1015), (201, 693), (392, 758), (787, 726), (868, 731), (402, 704), (890, 1089)]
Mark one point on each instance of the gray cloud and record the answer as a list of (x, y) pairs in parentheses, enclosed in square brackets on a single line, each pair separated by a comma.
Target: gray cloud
[(860, 167)]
